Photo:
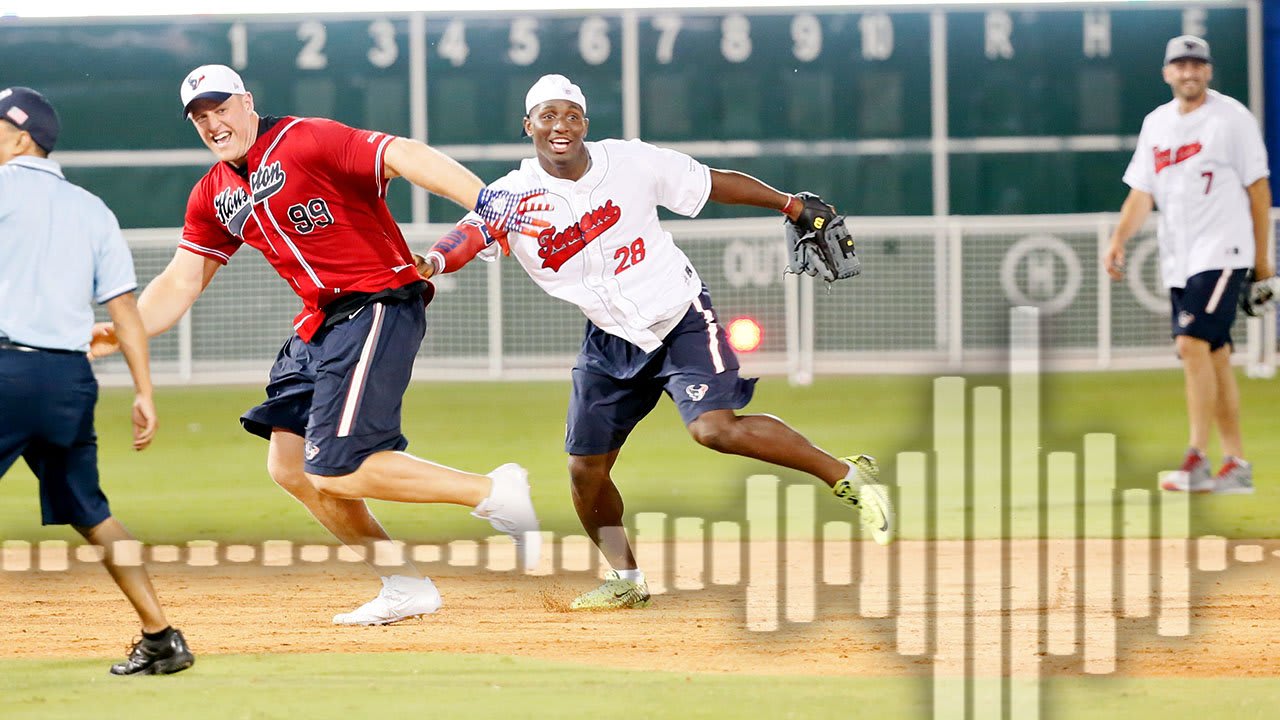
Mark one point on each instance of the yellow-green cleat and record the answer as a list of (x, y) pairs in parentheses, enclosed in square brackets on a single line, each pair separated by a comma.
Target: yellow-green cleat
[(614, 594), (868, 497)]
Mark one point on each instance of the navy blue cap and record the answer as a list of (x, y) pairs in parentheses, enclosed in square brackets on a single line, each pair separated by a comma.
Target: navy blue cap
[(28, 110)]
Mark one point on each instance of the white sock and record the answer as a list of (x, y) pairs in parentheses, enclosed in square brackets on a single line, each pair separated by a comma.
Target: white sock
[(635, 576), (852, 475)]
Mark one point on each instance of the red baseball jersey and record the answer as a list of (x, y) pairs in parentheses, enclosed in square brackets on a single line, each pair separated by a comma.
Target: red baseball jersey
[(314, 204)]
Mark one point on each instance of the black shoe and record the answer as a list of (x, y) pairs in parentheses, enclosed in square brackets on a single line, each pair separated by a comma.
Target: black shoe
[(169, 654)]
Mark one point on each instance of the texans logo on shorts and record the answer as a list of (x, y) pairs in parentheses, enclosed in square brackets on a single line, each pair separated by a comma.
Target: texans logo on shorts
[(311, 450), (696, 392)]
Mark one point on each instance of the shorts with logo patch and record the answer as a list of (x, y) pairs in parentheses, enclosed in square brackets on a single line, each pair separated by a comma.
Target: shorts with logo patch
[(1206, 307), (616, 384), (343, 390)]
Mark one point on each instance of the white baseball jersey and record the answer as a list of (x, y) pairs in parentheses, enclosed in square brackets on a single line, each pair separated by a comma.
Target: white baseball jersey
[(1197, 166), (605, 251)]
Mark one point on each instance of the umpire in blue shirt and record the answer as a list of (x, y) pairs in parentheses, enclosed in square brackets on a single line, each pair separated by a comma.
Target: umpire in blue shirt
[(60, 250)]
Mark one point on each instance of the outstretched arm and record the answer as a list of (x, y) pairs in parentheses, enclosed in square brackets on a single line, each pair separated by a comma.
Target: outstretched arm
[(440, 174), (132, 339), (164, 301), (1133, 214), (458, 247), (432, 170), (734, 188)]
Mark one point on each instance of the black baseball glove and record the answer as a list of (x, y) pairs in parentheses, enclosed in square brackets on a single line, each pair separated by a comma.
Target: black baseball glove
[(818, 242)]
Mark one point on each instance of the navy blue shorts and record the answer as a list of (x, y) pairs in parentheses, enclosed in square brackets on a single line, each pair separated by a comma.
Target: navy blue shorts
[(46, 416), (616, 384), (343, 390), (1206, 307)]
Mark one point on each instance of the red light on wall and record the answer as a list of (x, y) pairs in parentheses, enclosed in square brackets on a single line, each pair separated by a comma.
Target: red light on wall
[(745, 334)]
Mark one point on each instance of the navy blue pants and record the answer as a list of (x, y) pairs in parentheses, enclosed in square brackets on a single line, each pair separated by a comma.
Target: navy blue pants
[(343, 390), (46, 417), (1206, 307), (616, 384)]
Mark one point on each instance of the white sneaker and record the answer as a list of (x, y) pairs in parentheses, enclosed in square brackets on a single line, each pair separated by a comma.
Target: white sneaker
[(509, 509), (401, 598), (1193, 476)]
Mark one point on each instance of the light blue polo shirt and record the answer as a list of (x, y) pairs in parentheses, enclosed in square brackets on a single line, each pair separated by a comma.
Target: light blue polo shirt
[(60, 250)]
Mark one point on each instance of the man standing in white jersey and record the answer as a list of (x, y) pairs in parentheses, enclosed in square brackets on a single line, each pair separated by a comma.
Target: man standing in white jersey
[(1201, 159), (651, 328)]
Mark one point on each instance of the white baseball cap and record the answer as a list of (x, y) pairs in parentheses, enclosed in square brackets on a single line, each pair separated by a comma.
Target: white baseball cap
[(554, 87), (218, 82)]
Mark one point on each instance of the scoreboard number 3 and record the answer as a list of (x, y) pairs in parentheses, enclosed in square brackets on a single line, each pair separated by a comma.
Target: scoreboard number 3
[(383, 50)]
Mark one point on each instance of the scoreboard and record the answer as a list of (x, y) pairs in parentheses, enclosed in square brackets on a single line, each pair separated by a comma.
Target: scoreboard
[(973, 110)]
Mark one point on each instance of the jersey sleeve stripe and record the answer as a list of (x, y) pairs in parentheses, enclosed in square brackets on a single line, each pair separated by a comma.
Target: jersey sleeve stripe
[(378, 172), (207, 252), (114, 293)]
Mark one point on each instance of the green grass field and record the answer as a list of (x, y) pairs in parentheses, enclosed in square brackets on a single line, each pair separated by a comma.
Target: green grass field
[(205, 479)]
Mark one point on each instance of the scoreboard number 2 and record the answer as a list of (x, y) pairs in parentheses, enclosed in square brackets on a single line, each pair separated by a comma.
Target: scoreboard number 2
[(383, 50)]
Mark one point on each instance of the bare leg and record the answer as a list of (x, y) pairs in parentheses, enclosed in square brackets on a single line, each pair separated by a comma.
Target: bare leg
[(1227, 408), (599, 506), (765, 437), (132, 579), (348, 519), (402, 477), (1201, 387)]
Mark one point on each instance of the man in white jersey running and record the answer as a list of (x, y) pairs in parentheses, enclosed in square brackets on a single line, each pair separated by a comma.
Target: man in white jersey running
[(651, 328), (1201, 159)]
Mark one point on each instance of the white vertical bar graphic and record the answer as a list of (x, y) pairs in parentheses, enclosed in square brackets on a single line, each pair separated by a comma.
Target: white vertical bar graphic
[(690, 570), (837, 553), (873, 585), (500, 553), (494, 310), (1063, 564), (277, 553), (952, 651), (126, 553), (1099, 593), (914, 605), (1026, 585), (987, 582), (202, 553), (791, 311), (799, 577), (390, 553), (762, 553), (1211, 553), (15, 555), (651, 549), (1175, 568), (726, 563), (576, 552), (1137, 553), (462, 553), (53, 555)]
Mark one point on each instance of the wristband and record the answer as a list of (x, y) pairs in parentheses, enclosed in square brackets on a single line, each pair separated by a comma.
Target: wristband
[(786, 209)]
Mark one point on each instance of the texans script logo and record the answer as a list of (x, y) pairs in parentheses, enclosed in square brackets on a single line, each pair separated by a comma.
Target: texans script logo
[(555, 248), (1167, 156)]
